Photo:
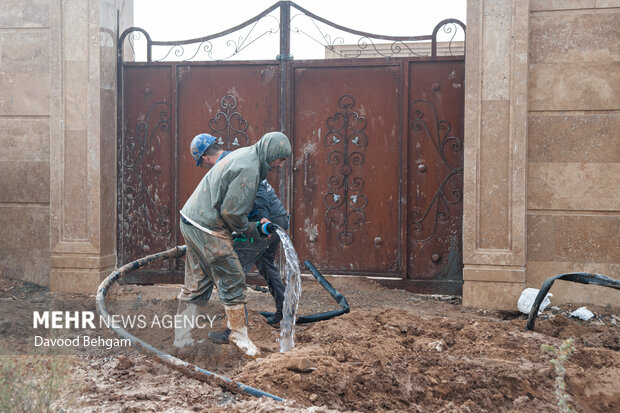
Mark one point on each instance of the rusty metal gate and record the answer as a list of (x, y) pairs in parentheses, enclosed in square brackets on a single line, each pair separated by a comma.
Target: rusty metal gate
[(374, 184)]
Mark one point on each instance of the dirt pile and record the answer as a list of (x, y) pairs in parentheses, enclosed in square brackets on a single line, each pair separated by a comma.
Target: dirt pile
[(395, 351), (396, 360)]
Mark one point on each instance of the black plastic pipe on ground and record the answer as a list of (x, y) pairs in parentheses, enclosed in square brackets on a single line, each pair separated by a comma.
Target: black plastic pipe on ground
[(578, 277), (312, 318), (175, 363)]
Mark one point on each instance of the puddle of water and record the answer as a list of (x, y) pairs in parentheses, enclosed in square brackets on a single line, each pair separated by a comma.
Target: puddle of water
[(292, 293)]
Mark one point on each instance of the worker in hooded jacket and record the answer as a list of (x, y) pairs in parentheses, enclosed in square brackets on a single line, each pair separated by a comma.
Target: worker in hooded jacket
[(219, 206)]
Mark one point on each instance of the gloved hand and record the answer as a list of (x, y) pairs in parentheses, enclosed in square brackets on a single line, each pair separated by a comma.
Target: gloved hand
[(266, 229), (252, 231)]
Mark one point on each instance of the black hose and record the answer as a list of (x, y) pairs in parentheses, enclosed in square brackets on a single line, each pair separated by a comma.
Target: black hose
[(312, 318), (176, 363), (578, 277)]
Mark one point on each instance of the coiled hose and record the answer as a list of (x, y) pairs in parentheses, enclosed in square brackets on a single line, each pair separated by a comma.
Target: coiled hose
[(182, 366)]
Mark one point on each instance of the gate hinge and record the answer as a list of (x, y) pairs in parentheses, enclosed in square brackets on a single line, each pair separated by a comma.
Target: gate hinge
[(284, 57)]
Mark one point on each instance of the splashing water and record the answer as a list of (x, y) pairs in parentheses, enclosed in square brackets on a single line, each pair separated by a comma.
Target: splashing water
[(291, 293)]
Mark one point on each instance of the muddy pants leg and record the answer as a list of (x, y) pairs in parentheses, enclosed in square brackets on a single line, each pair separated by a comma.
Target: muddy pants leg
[(196, 289), (227, 273)]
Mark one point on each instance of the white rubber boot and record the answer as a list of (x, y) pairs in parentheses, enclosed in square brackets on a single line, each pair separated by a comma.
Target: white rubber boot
[(183, 334), (237, 323)]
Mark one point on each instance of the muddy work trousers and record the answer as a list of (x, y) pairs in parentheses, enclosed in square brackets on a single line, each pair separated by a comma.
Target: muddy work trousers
[(262, 253), (210, 261)]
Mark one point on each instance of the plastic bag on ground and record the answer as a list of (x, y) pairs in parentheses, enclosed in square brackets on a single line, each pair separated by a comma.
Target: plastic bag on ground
[(526, 300), (582, 313)]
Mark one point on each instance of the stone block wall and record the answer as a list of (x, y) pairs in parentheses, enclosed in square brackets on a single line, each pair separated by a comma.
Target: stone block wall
[(573, 196), (58, 140), (542, 148), (25, 140)]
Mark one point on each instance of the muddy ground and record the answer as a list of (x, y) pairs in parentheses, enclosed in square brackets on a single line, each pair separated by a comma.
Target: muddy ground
[(395, 351)]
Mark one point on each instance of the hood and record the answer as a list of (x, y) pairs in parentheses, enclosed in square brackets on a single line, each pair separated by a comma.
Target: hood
[(272, 146)]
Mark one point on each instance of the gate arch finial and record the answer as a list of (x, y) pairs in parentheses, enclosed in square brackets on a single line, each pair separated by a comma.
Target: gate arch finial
[(444, 24), (121, 42)]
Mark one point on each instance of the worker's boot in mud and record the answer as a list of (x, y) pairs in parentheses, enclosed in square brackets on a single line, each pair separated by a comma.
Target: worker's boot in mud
[(274, 320), (183, 334), (238, 326), (223, 337), (220, 337)]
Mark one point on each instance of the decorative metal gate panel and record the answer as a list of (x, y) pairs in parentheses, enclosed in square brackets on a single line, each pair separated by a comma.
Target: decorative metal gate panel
[(435, 174), (374, 184), (237, 103), (146, 207), (346, 171)]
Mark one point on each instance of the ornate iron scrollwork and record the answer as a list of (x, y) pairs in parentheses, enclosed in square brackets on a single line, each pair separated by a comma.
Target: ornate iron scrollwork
[(373, 45), (211, 47), (448, 27), (229, 126), (365, 44), (135, 190), (265, 25), (205, 47), (344, 201), (438, 133)]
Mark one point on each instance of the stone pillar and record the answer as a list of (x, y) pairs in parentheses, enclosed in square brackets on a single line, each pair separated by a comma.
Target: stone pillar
[(494, 215), (82, 143)]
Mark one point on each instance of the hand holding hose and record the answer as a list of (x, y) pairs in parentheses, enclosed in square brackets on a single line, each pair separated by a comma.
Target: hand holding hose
[(266, 229)]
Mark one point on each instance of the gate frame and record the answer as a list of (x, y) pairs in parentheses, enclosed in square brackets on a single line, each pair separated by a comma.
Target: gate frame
[(287, 65)]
